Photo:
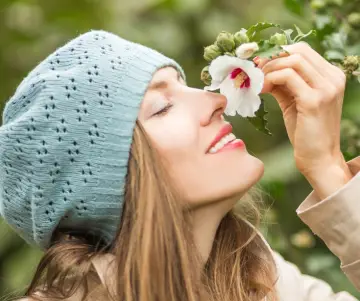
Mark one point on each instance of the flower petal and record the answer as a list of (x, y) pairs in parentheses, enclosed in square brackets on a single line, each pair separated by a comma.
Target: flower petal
[(244, 101), (250, 104), (222, 66), (233, 95), (257, 78), (214, 86)]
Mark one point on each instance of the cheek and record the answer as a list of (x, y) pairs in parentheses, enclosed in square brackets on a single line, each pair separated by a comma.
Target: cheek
[(175, 136)]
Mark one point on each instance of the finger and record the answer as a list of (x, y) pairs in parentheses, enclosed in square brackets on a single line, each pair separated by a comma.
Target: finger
[(334, 74), (281, 94), (335, 77), (295, 61), (286, 77), (338, 78), (309, 54), (292, 81), (260, 62), (329, 71)]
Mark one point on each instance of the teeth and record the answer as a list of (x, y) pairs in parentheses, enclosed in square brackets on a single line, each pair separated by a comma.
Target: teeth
[(224, 140), (212, 150)]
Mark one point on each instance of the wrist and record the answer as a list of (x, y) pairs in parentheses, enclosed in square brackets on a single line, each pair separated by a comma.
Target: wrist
[(328, 178)]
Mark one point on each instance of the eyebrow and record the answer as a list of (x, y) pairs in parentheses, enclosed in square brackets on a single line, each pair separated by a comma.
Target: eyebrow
[(162, 84)]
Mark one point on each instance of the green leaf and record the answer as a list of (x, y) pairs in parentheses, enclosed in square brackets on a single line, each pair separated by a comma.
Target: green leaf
[(254, 30), (353, 49), (303, 37), (300, 33), (288, 33), (260, 121), (335, 41), (295, 6), (334, 55), (267, 50), (322, 21)]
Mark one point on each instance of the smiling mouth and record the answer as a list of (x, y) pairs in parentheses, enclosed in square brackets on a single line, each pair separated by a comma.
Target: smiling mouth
[(221, 143)]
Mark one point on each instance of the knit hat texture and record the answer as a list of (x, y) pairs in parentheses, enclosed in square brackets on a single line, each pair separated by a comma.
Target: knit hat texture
[(66, 137)]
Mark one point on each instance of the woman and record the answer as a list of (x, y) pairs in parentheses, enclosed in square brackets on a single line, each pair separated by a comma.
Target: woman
[(105, 165)]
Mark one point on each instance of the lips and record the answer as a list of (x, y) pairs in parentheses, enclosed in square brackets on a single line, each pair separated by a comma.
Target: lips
[(225, 130)]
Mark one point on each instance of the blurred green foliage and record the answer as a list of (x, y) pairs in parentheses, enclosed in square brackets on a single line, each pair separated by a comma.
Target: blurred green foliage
[(31, 29)]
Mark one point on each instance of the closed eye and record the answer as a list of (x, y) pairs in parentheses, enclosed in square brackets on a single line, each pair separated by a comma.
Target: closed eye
[(164, 110)]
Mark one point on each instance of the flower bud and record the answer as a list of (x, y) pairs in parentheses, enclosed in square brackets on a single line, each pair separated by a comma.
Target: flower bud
[(212, 52), (351, 63), (225, 41), (278, 39), (205, 76), (318, 4), (246, 50), (240, 38), (354, 20)]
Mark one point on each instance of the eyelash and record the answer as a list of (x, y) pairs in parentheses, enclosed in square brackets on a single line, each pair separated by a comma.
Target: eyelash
[(164, 110)]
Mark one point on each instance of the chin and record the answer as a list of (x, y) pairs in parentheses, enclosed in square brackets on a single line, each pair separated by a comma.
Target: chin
[(226, 188), (238, 184), (247, 177), (258, 170)]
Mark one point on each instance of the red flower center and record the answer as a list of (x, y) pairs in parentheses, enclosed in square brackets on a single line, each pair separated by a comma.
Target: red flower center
[(241, 79)]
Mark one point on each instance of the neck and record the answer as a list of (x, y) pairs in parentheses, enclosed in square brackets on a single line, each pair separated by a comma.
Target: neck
[(206, 220)]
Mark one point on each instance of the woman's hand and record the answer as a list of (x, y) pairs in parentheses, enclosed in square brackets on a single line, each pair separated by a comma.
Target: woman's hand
[(310, 93)]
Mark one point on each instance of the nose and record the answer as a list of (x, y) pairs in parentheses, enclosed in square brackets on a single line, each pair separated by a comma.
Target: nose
[(215, 106)]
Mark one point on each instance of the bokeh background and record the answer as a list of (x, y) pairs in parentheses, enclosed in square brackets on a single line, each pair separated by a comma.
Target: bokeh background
[(31, 29)]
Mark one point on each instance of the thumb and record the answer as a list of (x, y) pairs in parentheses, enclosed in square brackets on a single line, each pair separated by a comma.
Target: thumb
[(267, 87), (282, 96)]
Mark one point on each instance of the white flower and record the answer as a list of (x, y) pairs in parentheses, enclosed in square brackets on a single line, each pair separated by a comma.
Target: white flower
[(246, 50), (240, 81)]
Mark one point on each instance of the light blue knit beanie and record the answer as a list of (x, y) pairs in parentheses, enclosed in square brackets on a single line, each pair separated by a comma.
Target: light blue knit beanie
[(66, 137)]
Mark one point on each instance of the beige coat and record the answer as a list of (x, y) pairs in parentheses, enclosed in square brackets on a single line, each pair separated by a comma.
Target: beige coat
[(336, 220)]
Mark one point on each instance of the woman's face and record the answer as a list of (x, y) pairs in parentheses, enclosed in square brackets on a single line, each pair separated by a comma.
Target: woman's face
[(183, 123)]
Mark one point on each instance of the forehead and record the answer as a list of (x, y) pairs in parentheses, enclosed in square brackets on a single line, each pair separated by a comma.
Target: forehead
[(164, 74), (160, 81)]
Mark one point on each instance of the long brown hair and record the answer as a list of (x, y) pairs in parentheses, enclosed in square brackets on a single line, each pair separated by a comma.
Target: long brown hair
[(154, 256)]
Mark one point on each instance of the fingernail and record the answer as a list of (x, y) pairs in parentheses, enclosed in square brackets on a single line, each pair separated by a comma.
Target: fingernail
[(256, 58)]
